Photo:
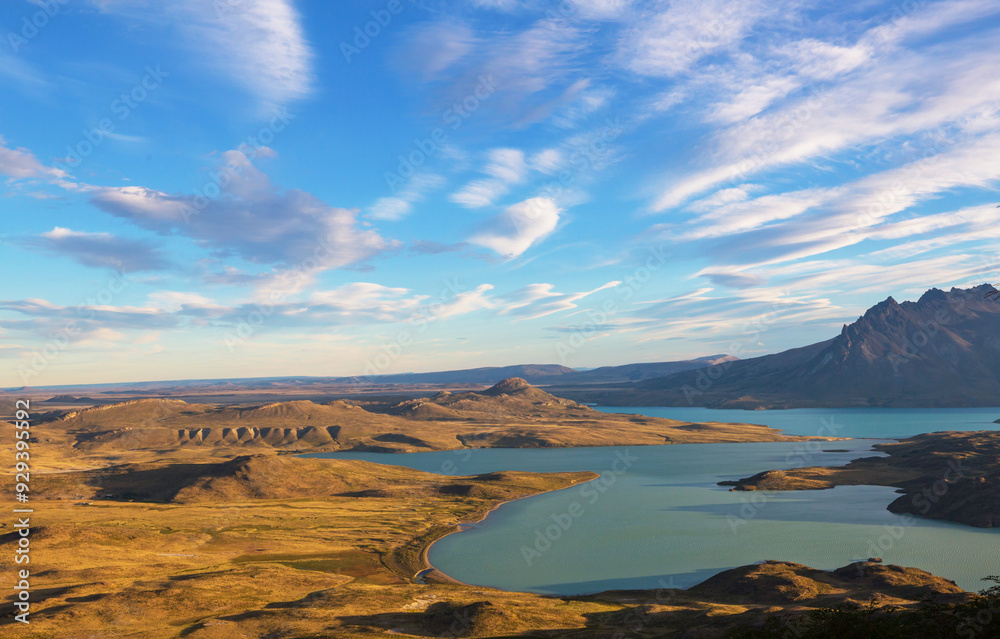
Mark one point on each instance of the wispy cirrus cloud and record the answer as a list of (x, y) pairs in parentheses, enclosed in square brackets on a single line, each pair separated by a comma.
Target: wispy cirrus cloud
[(398, 206), (259, 45), (784, 227), (539, 300), (100, 250), (504, 168), (900, 92), (536, 68), (668, 38)]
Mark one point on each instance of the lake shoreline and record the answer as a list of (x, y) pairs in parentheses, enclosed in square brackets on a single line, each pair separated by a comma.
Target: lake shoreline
[(429, 573), (432, 573)]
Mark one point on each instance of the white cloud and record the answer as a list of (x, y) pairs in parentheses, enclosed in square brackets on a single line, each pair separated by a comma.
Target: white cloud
[(368, 298), (738, 216), (254, 220), (398, 206), (356, 303), (258, 44), (462, 303), (535, 69), (602, 9), (261, 45), (173, 301), (667, 40), (817, 60), (514, 231), (905, 93), (21, 163), (722, 197), (505, 168), (442, 45), (569, 9), (740, 316), (538, 300), (752, 99), (733, 279), (547, 161)]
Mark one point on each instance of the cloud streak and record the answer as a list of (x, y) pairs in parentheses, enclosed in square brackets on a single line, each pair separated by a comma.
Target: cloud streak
[(100, 250)]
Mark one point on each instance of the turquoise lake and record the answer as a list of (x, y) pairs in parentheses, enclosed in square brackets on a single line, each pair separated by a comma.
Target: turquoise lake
[(656, 517), (848, 422)]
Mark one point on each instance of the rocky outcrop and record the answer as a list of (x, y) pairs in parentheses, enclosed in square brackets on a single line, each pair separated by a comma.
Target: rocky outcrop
[(953, 476), (942, 350)]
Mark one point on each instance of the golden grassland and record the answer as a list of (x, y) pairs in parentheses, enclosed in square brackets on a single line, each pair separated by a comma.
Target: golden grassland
[(512, 414), (232, 555), (138, 532)]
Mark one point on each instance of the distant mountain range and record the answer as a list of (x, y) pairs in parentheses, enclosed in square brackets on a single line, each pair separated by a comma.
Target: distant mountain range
[(552, 374), (942, 350), (542, 374)]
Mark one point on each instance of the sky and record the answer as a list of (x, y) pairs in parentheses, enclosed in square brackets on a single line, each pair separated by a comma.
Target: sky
[(244, 188)]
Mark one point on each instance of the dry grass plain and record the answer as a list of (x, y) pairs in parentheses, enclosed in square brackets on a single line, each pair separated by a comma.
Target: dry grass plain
[(141, 532)]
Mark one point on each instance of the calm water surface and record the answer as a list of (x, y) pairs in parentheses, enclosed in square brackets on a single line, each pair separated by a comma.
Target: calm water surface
[(847, 422), (657, 518)]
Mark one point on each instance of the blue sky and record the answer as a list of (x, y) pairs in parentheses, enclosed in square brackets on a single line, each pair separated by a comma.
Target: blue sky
[(234, 188)]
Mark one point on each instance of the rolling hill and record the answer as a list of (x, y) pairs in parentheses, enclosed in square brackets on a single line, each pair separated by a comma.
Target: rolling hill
[(510, 414)]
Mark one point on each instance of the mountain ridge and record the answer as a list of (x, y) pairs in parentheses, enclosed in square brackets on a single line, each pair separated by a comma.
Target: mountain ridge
[(941, 351)]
